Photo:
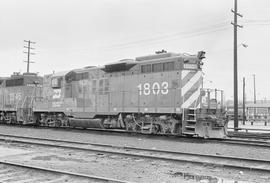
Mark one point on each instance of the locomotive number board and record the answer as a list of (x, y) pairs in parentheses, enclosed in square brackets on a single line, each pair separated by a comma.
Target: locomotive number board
[(190, 66)]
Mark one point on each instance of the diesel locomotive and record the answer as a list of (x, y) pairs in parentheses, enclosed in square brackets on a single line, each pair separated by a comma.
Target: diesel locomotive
[(159, 94)]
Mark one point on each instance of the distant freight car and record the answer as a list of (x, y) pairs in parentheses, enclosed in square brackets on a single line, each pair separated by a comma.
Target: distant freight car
[(158, 94)]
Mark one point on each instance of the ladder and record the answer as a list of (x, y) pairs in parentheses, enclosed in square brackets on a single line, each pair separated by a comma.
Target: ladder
[(189, 121)]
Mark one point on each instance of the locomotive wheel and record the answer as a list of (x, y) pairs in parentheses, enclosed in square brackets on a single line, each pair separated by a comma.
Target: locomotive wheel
[(154, 129), (57, 123), (132, 127), (65, 122), (49, 122)]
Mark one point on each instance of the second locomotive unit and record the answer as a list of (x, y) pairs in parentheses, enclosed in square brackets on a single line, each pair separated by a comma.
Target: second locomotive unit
[(159, 94)]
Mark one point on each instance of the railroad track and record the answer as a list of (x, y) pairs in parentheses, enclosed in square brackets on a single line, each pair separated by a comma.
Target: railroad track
[(19, 173), (232, 140), (155, 154), (260, 136)]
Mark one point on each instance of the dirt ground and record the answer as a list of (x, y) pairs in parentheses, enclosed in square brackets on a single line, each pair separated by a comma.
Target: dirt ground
[(125, 168)]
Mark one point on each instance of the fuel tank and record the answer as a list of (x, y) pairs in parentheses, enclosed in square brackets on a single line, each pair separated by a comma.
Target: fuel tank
[(86, 123)]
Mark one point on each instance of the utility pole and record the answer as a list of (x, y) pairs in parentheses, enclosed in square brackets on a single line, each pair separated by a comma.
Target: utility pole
[(254, 88), (28, 52), (244, 100), (235, 26), (254, 92)]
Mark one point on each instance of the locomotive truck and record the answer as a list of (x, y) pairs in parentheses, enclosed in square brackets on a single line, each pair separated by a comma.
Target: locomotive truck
[(159, 94)]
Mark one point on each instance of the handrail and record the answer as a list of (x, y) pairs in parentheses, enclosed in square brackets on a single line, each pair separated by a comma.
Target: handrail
[(24, 101), (32, 98)]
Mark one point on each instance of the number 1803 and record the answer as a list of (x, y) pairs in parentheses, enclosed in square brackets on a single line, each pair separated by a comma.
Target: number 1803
[(155, 88)]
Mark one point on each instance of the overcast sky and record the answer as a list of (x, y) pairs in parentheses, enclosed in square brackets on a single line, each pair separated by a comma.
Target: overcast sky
[(72, 34)]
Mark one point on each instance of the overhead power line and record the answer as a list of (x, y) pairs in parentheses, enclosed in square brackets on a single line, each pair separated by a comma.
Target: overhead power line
[(194, 30), (180, 35), (200, 31), (188, 34), (257, 21)]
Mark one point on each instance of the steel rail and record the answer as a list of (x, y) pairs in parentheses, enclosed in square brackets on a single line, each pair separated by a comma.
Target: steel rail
[(72, 174), (261, 136), (224, 161), (237, 142), (231, 134), (232, 140), (250, 129)]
